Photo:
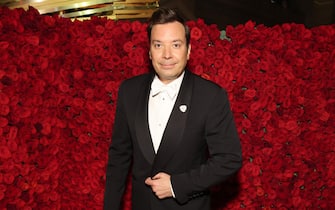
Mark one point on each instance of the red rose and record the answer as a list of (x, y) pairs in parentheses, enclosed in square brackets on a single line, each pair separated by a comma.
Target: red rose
[(128, 46), (98, 197), (259, 191), (3, 45), (196, 33), (111, 86), (126, 26), (78, 74), (54, 196), (33, 40), (23, 112), (100, 106), (5, 152), (250, 93), (136, 26), (210, 53), (252, 169), (140, 38), (100, 29), (218, 63), (3, 122), (46, 128), (4, 110), (4, 99), (324, 116), (2, 195), (113, 62), (255, 106), (291, 125), (246, 123), (8, 178), (89, 93), (78, 102)]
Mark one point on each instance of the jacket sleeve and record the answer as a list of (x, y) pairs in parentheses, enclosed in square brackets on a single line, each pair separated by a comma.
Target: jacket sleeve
[(225, 155), (119, 158)]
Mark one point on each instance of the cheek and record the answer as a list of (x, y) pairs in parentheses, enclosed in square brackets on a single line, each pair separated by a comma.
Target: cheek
[(153, 56)]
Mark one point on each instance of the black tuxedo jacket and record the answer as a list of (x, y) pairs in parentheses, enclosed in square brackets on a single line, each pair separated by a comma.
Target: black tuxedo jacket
[(199, 148)]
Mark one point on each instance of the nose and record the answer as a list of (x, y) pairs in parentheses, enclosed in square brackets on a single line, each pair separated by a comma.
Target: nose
[(167, 53)]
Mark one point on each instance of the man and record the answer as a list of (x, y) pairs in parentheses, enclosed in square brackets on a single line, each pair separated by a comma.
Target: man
[(180, 140)]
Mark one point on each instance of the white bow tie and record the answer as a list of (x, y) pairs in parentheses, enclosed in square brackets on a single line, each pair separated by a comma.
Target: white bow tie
[(158, 88)]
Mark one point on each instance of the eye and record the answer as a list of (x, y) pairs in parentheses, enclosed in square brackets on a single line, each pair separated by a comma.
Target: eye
[(157, 45), (176, 45)]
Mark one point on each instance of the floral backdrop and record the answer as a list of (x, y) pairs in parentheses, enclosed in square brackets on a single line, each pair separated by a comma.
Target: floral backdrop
[(58, 88)]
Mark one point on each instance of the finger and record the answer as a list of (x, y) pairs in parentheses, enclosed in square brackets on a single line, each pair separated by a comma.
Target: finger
[(158, 176), (148, 181)]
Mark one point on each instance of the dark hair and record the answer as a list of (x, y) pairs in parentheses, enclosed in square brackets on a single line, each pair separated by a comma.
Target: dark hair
[(165, 15)]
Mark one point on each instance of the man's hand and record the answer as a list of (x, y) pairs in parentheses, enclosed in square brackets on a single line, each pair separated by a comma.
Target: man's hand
[(160, 184)]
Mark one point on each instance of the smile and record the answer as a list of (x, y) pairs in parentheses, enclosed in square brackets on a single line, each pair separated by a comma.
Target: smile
[(167, 65)]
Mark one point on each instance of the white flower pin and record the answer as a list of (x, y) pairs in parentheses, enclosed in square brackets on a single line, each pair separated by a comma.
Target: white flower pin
[(183, 108)]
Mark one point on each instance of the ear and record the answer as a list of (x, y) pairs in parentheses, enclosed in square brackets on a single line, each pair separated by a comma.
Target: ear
[(150, 55), (188, 51)]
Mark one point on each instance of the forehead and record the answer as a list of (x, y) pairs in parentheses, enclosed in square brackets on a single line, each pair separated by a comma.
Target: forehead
[(168, 31)]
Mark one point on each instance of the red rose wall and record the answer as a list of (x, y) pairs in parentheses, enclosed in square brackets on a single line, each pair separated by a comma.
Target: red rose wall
[(58, 90)]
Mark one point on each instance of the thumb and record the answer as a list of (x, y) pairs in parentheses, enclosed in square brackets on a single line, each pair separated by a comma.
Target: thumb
[(157, 176), (148, 181)]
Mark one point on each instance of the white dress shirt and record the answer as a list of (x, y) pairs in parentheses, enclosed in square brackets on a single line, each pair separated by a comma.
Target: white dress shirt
[(161, 102)]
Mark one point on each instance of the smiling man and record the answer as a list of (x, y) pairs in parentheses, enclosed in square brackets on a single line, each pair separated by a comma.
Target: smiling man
[(173, 128), (169, 50)]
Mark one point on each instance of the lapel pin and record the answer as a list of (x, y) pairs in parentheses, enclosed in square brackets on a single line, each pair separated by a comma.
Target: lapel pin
[(183, 108)]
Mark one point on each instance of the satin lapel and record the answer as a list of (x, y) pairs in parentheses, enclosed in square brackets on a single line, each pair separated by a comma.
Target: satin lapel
[(141, 123), (175, 127)]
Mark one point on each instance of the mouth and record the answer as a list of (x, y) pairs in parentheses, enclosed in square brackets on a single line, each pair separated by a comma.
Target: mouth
[(167, 65)]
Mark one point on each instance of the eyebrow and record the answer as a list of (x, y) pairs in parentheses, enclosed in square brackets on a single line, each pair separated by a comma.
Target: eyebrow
[(177, 40)]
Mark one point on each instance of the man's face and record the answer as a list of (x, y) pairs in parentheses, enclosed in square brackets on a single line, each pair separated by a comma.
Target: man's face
[(169, 52)]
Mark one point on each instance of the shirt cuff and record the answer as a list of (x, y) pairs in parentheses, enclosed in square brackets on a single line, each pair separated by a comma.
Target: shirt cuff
[(173, 195)]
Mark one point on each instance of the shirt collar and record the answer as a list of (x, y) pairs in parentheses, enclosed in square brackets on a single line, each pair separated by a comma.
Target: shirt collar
[(173, 87)]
